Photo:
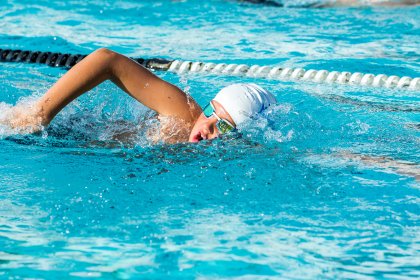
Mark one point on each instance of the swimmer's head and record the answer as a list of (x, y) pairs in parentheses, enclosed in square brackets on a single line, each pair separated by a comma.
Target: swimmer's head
[(242, 101), (232, 106)]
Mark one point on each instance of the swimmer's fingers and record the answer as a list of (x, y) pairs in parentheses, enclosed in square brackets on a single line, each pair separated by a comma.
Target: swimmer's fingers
[(22, 119)]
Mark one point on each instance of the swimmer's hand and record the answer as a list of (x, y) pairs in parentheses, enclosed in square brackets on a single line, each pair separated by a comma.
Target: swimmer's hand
[(22, 119)]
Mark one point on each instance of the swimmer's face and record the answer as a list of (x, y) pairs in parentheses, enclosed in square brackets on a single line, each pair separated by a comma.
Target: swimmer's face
[(205, 128)]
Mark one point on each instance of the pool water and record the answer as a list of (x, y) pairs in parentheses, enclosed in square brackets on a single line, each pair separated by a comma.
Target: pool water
[(323, 185)]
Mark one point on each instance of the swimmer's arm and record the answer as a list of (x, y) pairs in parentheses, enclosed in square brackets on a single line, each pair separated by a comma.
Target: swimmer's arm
[(155, 93)]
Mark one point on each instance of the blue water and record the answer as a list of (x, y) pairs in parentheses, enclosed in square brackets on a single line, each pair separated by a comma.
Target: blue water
[(322, 186)]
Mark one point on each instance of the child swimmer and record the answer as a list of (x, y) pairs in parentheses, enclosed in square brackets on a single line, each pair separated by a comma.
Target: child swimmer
[(232, 106)]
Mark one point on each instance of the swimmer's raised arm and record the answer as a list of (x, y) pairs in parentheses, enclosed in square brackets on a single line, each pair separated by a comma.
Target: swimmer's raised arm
[(103, 64)]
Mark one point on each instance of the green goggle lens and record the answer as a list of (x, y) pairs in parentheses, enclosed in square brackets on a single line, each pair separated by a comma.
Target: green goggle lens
[(224, 127)]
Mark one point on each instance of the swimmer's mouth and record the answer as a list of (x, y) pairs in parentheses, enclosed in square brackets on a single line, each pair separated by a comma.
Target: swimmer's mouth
[(198, 137)]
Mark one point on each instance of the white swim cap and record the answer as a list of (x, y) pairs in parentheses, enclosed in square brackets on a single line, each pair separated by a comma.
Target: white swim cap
[(242, 101)]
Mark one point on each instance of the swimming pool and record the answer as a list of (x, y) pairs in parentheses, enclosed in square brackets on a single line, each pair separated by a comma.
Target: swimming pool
[(322, 186)]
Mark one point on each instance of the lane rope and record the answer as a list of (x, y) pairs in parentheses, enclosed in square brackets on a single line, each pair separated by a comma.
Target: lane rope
[(276, 73)]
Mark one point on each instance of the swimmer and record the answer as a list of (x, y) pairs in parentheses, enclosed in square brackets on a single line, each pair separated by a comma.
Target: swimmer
[(181, 118)]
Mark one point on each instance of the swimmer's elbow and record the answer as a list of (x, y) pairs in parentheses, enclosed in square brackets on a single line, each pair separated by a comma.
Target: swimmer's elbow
[(106, 58), (104, 52)]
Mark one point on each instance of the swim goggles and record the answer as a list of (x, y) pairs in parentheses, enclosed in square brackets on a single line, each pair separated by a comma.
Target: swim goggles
[(224, 126)]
